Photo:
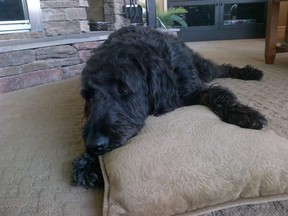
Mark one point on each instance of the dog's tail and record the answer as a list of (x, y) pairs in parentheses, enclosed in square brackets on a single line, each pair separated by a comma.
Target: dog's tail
[(209, 70)]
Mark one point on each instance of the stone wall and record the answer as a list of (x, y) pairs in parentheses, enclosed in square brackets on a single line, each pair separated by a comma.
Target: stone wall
[(64, 17), (27, 68), (61, 17)]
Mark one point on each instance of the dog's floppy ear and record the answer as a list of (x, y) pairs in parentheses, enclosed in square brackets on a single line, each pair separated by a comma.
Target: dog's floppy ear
[(163, 95)]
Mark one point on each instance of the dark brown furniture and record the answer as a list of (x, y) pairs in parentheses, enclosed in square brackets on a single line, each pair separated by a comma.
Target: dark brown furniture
[(271, 47), (221, 19)]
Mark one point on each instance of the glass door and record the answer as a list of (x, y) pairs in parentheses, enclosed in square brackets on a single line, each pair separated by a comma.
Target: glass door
[(201, 14), (244, 14)]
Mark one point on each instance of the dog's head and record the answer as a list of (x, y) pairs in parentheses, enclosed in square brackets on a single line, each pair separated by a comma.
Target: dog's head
[(122, 84)]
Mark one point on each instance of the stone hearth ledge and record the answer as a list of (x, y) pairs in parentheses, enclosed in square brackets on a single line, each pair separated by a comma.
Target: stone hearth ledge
[(16, 45)]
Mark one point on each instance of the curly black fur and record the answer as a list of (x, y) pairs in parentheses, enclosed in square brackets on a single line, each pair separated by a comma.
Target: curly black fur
[(138, 72), (87, 171)]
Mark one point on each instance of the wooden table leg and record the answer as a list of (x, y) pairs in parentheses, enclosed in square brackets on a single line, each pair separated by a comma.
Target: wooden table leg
[(286, 30), (271, 31)]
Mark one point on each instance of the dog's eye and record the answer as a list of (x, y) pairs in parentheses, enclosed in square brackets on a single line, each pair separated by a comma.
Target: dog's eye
[(122, 89)]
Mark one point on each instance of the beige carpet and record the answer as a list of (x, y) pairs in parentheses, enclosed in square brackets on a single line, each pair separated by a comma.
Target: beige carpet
[(40, 136)]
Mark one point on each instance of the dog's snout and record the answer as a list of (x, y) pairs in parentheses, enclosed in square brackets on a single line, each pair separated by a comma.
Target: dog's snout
[(102, 141), (97, 143)]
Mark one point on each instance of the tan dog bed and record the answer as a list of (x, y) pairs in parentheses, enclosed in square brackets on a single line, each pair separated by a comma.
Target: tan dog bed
[(189, 162)]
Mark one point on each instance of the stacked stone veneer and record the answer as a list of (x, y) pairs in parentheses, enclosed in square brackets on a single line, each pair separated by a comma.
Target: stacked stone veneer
[(27, 68), (64, 17), (61, 17)]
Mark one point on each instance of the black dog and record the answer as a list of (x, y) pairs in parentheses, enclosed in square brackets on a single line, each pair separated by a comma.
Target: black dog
[(138, 72)]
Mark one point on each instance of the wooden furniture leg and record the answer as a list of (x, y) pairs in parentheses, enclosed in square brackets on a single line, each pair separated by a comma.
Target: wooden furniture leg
[(271, 31), (286, 30)]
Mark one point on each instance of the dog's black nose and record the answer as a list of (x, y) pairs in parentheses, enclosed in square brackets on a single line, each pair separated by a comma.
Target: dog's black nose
[(102, 142), (97, 144)]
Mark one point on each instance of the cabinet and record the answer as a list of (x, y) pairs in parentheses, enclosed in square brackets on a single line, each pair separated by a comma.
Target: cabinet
[(221, 19)]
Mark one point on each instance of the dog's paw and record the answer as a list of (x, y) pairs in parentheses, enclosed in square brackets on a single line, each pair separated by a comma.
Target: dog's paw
[(246, 117), (87, 172), (251, 73)]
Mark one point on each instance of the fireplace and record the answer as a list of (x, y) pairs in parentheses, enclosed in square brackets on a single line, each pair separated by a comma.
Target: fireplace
[(221, 19)]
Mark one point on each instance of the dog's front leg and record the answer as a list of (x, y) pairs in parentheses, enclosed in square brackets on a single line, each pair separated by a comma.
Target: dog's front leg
[(226, 105), (87, 171)]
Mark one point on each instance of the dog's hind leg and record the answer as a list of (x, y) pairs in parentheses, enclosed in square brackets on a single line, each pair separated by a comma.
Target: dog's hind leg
[(246, 73), (208, 70), (225, 104)]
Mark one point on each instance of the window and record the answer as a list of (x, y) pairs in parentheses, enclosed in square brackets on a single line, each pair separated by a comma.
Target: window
[(20, 16)]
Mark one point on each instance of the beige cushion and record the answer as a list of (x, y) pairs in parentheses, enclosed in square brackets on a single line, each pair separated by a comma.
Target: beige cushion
[(189, 162)]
